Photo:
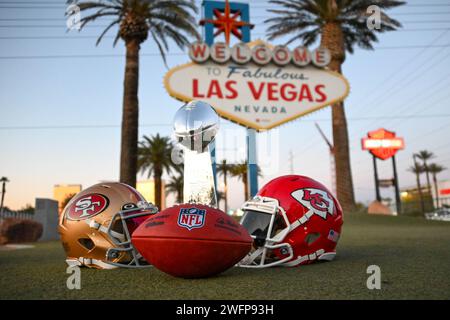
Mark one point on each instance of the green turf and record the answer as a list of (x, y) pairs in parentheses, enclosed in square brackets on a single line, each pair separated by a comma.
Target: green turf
[(413, 254)]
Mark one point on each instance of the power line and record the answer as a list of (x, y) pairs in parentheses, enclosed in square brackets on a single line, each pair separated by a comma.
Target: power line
[(253, 17), (393, 87), (391, 15), (79, 126), (53, 5), (33, 7), (413, 139), (155, 54), (83, 56), (428, 94), (413, 47), (424, 94), (409, 5), (69, 37), (105, 25), (106, 126)]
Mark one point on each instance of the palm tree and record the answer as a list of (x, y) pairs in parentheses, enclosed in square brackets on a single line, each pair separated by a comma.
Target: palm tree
[(175, 186), (425, 155), (418, 169), (154, 156), (176, 183), (341, 25), (3, 180), (136, 20), (220, 197), (239, 170), (224, 169), (434, 169)]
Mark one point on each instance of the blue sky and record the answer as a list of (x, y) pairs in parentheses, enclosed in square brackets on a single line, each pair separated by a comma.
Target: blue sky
[(60, 116)]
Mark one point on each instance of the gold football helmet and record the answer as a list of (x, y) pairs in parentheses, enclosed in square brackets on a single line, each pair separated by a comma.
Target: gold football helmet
[(97, 223)]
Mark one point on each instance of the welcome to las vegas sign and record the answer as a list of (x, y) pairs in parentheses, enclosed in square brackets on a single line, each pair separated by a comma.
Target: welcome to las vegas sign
[(255, 84)]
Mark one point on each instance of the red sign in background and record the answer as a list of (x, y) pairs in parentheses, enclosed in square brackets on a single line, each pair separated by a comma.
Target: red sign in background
[(382, 143)]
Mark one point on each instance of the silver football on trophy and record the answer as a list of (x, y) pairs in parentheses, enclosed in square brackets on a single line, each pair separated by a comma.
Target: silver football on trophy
[(195, 125)]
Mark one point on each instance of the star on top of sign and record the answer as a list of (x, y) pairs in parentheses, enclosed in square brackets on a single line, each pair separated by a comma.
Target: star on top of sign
[(227, 22)]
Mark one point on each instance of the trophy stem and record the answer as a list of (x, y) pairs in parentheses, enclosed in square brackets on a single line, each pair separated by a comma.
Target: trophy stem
[(198, 178)]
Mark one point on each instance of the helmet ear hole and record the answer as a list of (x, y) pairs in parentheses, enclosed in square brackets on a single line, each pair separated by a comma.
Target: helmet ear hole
[(311, 238), (86, 243)]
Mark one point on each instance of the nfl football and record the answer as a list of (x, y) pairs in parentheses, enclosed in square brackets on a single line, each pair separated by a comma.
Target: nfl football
[(192, 241)]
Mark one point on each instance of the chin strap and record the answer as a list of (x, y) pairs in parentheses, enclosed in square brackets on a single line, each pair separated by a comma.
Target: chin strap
[(248, 260), (320, 255), (80, 262)]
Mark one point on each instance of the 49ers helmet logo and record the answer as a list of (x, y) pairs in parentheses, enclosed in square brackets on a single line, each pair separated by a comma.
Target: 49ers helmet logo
[(316, 200), (87, 206)]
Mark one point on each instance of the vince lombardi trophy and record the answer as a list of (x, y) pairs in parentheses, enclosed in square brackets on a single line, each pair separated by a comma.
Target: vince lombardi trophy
[(195, 126)]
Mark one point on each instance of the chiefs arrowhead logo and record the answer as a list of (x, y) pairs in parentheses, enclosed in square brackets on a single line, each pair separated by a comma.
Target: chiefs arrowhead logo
[(87, 206), (319, 201)]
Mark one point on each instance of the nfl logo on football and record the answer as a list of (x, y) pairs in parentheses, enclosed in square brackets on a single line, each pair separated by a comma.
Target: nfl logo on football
[(191, 218)]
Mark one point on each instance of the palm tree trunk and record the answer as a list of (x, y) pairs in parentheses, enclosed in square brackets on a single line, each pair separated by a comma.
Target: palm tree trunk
[(436, 190), (130, 116), (332, 39), (158, 187), (427, 172), (419, 187), (3, 196), (226, 190), (245, 181)]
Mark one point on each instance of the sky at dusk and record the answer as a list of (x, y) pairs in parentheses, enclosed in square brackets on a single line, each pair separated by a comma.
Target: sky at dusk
[(61, 102)]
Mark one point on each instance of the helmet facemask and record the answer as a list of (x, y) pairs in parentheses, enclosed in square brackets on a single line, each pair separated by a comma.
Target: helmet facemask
[(129, 220), (267, 223)]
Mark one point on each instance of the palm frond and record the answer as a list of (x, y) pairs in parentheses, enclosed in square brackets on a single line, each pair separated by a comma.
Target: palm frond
[(302, 20), (106, 30), (164, 19)]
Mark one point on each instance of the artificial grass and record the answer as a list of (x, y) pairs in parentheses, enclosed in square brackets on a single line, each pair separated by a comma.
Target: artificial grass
[(413, 254)]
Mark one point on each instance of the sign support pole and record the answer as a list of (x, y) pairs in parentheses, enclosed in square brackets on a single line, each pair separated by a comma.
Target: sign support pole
[(377, 184), (397, 191), (252, 167), (212, 148)]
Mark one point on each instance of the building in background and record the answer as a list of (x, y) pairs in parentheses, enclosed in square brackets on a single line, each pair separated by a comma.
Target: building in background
[(147, 189), (442, 198), (62, 191), (432, 200), (410, 198)]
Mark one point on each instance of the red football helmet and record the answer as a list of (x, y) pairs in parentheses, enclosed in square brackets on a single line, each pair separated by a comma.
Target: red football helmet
[(293, 220)]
